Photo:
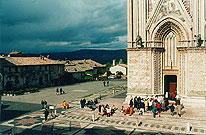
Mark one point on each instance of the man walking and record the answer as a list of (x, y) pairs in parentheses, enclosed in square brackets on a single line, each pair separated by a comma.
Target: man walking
[(42, 104), (172, 108), (46, 113)]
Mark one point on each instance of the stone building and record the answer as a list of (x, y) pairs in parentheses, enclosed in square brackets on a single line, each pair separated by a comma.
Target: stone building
[(24, 72), (167, 49), (76, 69)]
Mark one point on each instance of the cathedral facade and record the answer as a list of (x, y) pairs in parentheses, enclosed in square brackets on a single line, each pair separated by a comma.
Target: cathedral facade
[(167, 49)]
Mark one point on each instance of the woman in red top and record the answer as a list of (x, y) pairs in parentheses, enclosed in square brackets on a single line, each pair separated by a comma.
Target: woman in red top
[(158, 108), (127, 111)]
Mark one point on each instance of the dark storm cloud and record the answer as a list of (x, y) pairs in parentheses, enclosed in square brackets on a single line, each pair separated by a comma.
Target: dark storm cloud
[(66, 25)]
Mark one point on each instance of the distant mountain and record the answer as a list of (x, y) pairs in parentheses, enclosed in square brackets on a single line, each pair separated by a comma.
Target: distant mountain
[(101, 56)]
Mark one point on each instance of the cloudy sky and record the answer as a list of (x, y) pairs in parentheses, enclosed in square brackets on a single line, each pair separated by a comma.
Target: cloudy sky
[(35, 26)]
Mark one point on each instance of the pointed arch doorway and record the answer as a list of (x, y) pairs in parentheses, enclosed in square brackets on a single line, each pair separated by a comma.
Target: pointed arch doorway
[(169, 32)]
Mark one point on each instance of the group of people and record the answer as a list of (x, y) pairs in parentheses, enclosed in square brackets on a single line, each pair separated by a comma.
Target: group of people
[(59, 91), (106, 83), (90, 103), (106, 110), (43, 104), (129, 110), (156, 105)]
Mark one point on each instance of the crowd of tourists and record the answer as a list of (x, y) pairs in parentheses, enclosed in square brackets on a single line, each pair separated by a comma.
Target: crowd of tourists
[(156, 105), (90, 103), (106, 110)]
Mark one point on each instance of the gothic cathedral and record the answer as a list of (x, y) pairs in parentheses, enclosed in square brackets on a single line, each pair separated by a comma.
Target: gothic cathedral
[(167, 49)]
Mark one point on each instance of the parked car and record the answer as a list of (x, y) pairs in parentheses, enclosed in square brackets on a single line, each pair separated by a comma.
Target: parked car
[(112, 77)]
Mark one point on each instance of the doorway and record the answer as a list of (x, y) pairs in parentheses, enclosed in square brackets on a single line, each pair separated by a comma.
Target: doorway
[(170, 85)]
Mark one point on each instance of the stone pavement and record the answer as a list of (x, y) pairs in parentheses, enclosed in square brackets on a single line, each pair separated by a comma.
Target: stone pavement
[(73, 92), (78, 121)]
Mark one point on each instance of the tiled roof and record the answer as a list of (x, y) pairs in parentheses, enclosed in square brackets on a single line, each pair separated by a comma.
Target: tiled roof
[(81, 65), (23, 61)]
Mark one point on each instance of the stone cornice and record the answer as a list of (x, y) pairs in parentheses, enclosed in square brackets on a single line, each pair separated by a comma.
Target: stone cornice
[(202, 48), (156, 49)]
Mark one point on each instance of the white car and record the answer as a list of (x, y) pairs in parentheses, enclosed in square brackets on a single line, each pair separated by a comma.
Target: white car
[(111, 77)]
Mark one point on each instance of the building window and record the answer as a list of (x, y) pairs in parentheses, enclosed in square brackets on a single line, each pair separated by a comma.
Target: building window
[(16, 69), (16, 79), (9, 68), (40, 68), (46, 68), (46, 77), (34, 76)]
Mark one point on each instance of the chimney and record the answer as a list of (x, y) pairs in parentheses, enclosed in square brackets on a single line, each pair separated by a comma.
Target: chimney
[(114, 62), (120, 61)]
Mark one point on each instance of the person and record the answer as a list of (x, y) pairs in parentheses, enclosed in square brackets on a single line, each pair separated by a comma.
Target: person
[(46, 113), (146, 104), (61, 91), (164, 105), (81, 103), (135, 103), (104, 110), (122, 110), (45, 103), (100, 109), (42, 104), (107, 82), (131, 102), (172, 108), (104, 82), (108, 111), (158, 108), (179, 108), (64, 105), (84, 102), (131, 111), (154, 110), (95, 101), (127, 111), (113, 109), (57, 91), (150, 104), (173, 96)]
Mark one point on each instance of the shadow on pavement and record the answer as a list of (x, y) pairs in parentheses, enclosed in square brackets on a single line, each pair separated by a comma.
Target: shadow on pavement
[(11, 110)]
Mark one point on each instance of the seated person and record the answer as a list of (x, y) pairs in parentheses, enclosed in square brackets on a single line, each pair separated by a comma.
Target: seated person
[(113, 109), (108, 112), (131, 111), (95, 101), (104, 112), (127, 111), (122, 110)]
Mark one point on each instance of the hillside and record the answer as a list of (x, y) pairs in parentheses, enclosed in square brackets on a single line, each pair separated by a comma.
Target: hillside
[(101, 56)]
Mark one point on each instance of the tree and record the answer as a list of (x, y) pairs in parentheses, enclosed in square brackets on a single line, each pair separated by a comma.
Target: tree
[(109, 73), (108, 65), (119, 73)]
